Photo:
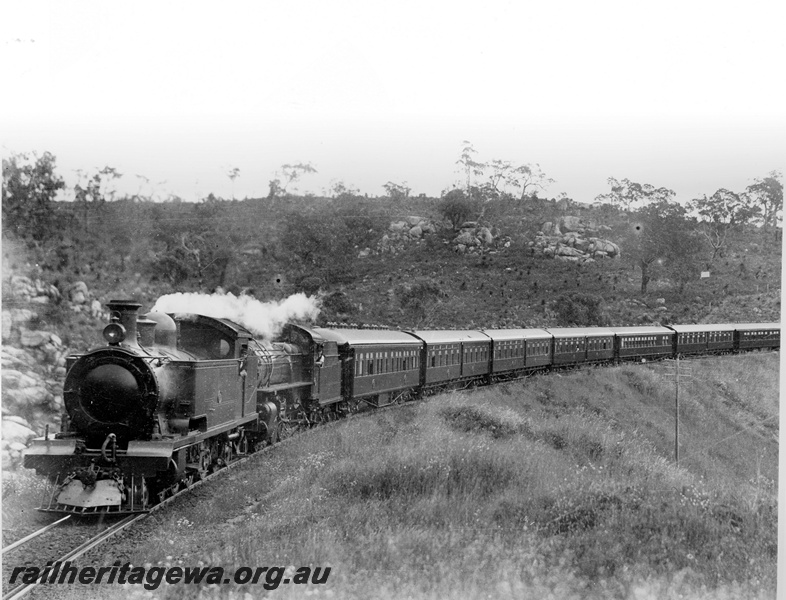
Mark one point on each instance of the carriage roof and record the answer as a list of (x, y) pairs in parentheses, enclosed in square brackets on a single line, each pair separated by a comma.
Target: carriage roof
[(642, 330), (702, 327), (437, 336), (569, 332), (365, 337), (503, 335)]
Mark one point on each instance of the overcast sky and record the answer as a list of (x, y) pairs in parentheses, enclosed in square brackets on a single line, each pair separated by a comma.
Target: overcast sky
[(686, 95)]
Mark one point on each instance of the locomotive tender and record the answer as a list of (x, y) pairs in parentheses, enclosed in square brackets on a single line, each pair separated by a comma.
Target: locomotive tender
[(172, 397)]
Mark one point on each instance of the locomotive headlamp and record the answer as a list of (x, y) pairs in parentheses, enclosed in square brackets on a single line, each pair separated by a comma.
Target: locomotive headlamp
[(114, 333)]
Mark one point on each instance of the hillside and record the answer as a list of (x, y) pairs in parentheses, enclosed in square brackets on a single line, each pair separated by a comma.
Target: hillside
[(364, 262), (560, 486), (346, 251)]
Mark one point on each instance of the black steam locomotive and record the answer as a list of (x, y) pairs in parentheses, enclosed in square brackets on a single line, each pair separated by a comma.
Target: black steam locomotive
[(163, 403), (170, 398)]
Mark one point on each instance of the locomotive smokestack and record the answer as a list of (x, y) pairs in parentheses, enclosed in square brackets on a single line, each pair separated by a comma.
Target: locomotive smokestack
[(127, 311)]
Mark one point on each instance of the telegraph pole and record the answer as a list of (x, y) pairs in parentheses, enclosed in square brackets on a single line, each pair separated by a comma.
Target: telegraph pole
[(686, 372), (677, 412)]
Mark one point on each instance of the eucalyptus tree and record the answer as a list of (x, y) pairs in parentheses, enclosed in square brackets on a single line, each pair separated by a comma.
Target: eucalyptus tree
[(30, 187), (663, 235), (720, 214), (628, 195), (768, 193)]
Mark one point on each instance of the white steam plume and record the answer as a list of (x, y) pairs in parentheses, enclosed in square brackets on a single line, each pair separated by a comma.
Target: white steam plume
[(264, 319)]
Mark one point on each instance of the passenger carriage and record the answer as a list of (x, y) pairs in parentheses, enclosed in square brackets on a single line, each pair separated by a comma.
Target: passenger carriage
[(691, 339), (635, 343), (702, 338), (450, 355), (518, 349), (573, 345), (377, 365), (720, 338), (757, 335)]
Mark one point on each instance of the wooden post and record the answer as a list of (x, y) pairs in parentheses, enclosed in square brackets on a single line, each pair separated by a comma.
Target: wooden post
[(677, 412)]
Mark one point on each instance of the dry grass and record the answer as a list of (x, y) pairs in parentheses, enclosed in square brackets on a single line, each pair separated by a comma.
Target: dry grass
[(559, 487)]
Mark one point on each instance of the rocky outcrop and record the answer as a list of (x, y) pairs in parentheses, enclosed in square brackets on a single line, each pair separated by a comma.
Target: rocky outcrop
[(471, 238), (35, 292), (26, 290), (33, 361), (403, 233), (16, 434), (475, 238), (571, 239)]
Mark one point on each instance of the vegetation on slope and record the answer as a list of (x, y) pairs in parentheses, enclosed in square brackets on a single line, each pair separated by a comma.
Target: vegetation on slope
[(560, 486), (332, 246)]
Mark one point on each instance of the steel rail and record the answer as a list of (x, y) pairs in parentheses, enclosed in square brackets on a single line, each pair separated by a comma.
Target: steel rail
[(33, 535), (25, 588)]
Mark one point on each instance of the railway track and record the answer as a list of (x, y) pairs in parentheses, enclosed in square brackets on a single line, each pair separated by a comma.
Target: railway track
[(95, 540), (25, 588), (34, 535)]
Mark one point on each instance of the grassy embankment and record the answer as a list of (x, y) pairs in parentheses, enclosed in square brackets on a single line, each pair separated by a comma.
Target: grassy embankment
[(562, 486)]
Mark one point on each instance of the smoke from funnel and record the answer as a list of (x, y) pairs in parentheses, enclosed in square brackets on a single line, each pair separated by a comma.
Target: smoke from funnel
[(263, 319)]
